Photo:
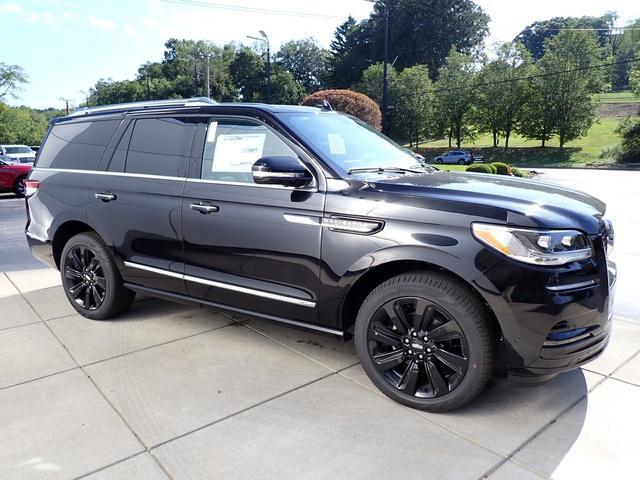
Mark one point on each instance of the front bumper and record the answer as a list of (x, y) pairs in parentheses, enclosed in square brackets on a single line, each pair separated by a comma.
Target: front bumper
[(552, 319)]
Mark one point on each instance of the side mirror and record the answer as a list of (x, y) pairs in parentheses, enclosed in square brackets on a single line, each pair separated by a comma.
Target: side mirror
[(286, 171)]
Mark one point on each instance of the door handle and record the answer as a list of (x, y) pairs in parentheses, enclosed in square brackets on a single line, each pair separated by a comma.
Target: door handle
[(105, 197), (204, 209)]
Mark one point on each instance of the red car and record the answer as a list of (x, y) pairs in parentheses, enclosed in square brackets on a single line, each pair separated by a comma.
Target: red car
[(13, 175)]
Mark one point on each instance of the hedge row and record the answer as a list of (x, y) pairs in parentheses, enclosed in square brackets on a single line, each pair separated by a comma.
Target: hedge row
[(495, 168)]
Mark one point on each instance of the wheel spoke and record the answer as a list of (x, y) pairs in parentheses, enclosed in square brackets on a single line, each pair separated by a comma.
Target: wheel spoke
[(447, 331), (397, 316), (422, 315), (72, 274), (451, 360), (87, 298), (388, 360), (75, 259), (101, 282), (77, 290), (96, 296), (94, 263), (382, 334), (409, 381), (439, 384), (84, 254)]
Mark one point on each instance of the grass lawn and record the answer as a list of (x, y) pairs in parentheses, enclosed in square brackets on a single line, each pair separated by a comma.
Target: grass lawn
[(585, 151), (624, 96)]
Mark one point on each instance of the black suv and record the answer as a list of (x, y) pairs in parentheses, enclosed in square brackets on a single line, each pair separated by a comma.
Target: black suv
[(309, 217)]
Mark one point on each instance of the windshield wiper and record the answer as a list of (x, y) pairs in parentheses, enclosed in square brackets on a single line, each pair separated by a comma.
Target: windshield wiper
[(383, 169)]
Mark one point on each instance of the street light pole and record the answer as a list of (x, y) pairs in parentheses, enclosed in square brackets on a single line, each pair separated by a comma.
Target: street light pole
[(265, 40), (208, 75), (385, 78), (66, 100)]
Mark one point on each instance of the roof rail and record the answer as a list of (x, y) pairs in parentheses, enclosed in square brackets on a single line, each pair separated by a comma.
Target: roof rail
[(187, 102)]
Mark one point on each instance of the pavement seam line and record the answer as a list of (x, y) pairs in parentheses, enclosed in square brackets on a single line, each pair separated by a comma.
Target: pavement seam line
[(38, 378), (113, 464), (4, 329), (116, 411), (251, 407)]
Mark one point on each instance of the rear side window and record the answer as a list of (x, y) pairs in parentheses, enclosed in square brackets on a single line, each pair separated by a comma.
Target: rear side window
[(77, 145), (159, 146)]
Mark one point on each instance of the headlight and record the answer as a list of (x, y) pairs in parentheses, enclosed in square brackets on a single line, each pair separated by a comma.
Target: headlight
[(539, 247)]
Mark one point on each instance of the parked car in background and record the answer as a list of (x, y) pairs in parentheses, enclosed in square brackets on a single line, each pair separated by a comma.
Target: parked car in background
[(20, 152), (13, 175), (35, 148), (459, 157)]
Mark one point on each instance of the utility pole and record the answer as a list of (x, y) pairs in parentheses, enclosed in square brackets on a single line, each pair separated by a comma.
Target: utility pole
[(208, 74), (385, 78)]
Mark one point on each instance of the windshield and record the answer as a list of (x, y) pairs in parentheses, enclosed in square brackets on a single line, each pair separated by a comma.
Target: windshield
[(347, 144), (18, 150)]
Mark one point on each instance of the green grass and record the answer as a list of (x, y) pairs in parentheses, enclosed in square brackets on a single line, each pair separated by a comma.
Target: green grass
[(585, 151), (624, 96)]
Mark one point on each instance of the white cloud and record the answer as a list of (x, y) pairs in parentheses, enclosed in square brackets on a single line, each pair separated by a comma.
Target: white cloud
[(47, 18), (102, 23), (129, 30), (10, 7)]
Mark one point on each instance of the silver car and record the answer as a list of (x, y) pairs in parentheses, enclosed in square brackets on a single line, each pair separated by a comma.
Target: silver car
[(20, 153), (459, 157)]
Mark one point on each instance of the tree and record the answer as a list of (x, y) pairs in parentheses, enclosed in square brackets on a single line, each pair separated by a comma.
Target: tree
[(285, 89), (12, 77), (421, 32), (349, 102), (567, 86), (349, 53), (306, 61), (248, 72), (634, 81), (21, 125), (628, 49), (456, 96), (629, 130), (371, 82), (413, 104), (535, 35), (502, 91)]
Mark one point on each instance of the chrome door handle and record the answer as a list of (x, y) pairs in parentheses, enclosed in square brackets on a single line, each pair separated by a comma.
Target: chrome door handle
[(105, 197), (205, 209)]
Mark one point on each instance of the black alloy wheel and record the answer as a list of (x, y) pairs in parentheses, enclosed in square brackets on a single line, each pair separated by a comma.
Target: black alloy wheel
[(86, 285), (418, 347), (426, 340), (91, 280)]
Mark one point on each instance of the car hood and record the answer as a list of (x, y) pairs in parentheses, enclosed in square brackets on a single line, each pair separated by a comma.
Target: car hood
[(515, 201)]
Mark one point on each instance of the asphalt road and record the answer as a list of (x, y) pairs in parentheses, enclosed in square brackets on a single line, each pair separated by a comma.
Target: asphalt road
[(14, 252)]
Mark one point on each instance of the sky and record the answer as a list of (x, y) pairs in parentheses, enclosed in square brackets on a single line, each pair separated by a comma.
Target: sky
[(65, 46)]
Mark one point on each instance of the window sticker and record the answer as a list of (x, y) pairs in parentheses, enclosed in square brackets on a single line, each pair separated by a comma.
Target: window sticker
[(336, 144), (237, 153)]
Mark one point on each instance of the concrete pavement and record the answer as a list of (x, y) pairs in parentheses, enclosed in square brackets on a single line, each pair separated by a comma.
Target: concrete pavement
[(169, 391)]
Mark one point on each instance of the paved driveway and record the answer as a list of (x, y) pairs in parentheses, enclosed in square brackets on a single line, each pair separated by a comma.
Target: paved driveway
[(169, 391)]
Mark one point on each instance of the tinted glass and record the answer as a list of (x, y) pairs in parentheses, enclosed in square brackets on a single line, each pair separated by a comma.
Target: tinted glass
[(76, 145), (120, 155), (18, 150), (233, 146), (159, 145), (346, 143)]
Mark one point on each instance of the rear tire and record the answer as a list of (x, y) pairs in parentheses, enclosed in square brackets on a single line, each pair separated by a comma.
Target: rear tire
[(461, 162), (18, 187), (439, 161), (425, 341), (91, 280)]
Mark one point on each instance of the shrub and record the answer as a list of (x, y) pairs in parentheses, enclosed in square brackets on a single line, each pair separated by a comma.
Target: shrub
[(480, 168), (493, 168), (501, 168), (349, 102), (518, 173), (629, 130)]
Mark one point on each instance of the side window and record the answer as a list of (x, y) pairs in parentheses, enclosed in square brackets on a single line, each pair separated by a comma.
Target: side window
[(159, 146), (77, 145), (120, 155), (233, 146)]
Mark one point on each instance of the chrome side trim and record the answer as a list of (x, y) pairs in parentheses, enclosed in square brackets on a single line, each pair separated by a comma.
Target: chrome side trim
[(225, 286), (302, 219), (571, 286), (339, 224), (311, 189), (114, 174), (159, 271)]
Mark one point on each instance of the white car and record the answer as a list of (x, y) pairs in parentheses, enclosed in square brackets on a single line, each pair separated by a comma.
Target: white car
[(459, 157), (20, 153)]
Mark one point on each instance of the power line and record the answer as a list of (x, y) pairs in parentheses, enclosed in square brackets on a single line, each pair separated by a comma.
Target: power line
[(240, 8), (539, 75)]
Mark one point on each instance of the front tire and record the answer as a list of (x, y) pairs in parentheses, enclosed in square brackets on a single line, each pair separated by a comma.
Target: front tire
[(461, 162), (425, 341), (439, 161), (91, 280)]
